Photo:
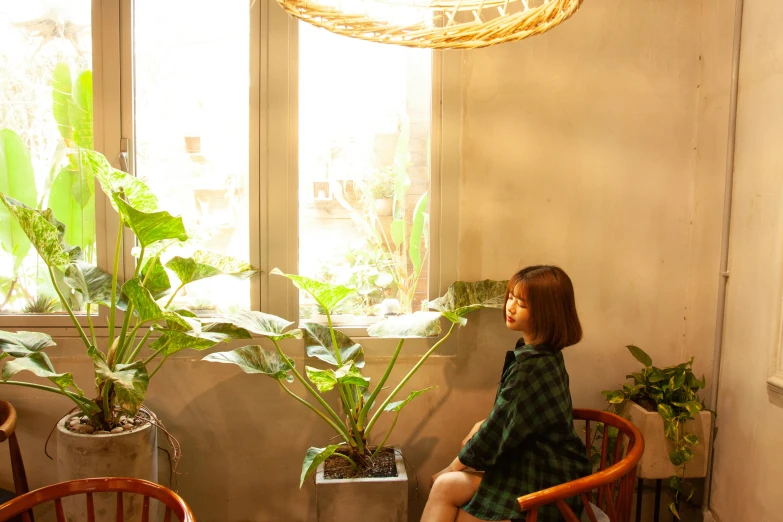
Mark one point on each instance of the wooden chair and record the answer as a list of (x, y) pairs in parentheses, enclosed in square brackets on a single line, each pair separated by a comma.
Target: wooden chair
[(610, 487), (8, 433), (88, 487)]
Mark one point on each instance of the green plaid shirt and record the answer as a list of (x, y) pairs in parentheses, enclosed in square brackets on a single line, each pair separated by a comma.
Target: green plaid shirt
[(528, 442)]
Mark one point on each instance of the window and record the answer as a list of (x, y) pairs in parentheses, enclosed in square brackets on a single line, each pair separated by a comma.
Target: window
[(191, 72), (364, 173), (266, 136), (45, 117)]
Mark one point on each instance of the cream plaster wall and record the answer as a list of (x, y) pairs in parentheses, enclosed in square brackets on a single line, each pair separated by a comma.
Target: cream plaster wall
[(579, 148), (748, 467)]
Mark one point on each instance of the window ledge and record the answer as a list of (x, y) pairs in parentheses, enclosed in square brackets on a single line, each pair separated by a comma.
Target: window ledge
[(775, 383)]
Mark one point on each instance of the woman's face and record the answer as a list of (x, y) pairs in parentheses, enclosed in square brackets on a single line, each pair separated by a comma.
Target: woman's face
[(517, 313)]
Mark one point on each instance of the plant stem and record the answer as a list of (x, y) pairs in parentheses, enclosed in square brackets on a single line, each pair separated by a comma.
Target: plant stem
[(10, 291), (174, 295), (346, 457), (113, 307), (151, 357), (68, 308), (313, 392), (158, 366), (139, 346), (377, 390), (105, 396), (79, 401), (92, 328), (386, 437), (405, 380), (346, 396), (343, 433)]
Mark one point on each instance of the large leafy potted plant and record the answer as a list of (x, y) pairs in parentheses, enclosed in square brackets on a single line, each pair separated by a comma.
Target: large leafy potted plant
[(110, 434), (664, 404), (339, 362)]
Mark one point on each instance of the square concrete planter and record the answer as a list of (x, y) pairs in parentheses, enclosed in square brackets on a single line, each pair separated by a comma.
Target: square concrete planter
[(364, 499), (655, 463)]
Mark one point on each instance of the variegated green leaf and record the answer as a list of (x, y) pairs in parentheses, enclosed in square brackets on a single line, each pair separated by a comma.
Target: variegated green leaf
[(254, 359), (22, 344), (155, 278), (137, 194), (176, 340), (208, 264), (40, 365), (129, 381), (148, 310), (259, 323), (324, 380), (327, 295), (318, 343), (418, 324), (44, 232), (313, 459), (463, 297), (150, 227), (349, 374), (398, 405), (93, 283)]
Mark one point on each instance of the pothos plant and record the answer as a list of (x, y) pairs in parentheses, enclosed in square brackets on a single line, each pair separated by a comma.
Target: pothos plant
[(137, 308), (343, 359), (673, 393)]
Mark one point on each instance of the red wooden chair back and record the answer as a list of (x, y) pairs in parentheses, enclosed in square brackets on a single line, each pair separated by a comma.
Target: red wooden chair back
[(610, 487), (173, 502)]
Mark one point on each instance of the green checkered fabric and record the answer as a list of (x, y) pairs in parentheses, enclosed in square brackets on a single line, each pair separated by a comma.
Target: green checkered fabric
[(528, 442)]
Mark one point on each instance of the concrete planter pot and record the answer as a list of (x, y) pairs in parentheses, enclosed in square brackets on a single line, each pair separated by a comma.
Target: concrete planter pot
[(655, 463), (364, 499), (131, 454)]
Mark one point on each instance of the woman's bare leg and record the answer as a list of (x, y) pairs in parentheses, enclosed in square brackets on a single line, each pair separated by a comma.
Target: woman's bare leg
[(450, 491), (464, 516)]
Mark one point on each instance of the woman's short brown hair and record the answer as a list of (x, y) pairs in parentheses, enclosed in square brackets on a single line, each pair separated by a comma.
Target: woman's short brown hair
[(549, 295)]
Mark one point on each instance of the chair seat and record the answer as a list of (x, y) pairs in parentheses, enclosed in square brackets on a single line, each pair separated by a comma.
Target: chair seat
[(600, 516)]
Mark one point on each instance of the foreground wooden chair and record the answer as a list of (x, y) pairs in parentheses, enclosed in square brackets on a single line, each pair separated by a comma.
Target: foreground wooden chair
[(173, 502), (610, 487), (8, 433)]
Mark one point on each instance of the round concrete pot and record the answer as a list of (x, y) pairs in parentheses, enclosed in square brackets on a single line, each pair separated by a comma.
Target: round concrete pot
[(363, 499), (130, 454)]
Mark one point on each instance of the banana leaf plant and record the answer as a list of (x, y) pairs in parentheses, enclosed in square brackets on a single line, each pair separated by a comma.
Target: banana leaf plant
[(340, 359), (140, 307)]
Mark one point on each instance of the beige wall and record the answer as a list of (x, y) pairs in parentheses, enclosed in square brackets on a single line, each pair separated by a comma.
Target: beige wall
[(579, 148), (748, 458)]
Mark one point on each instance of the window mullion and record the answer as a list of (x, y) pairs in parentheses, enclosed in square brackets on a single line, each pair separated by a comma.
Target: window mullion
[(279, 159)]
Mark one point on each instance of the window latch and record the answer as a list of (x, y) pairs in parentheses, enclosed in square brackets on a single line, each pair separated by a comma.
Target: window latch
[(124, 151)]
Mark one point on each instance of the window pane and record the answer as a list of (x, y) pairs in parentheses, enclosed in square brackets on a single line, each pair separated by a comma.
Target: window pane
[(191, 79), (364, 141), (45, 117)]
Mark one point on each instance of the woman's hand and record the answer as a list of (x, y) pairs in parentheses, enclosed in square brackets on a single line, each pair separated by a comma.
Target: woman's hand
[(473, 432)]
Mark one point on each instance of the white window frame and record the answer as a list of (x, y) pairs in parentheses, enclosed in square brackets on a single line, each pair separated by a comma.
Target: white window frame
[(276, 35), (273, 161), (775, 380), (106, 31)]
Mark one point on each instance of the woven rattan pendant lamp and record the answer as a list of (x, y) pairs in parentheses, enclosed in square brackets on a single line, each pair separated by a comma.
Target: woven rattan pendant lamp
[(434, 24)]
